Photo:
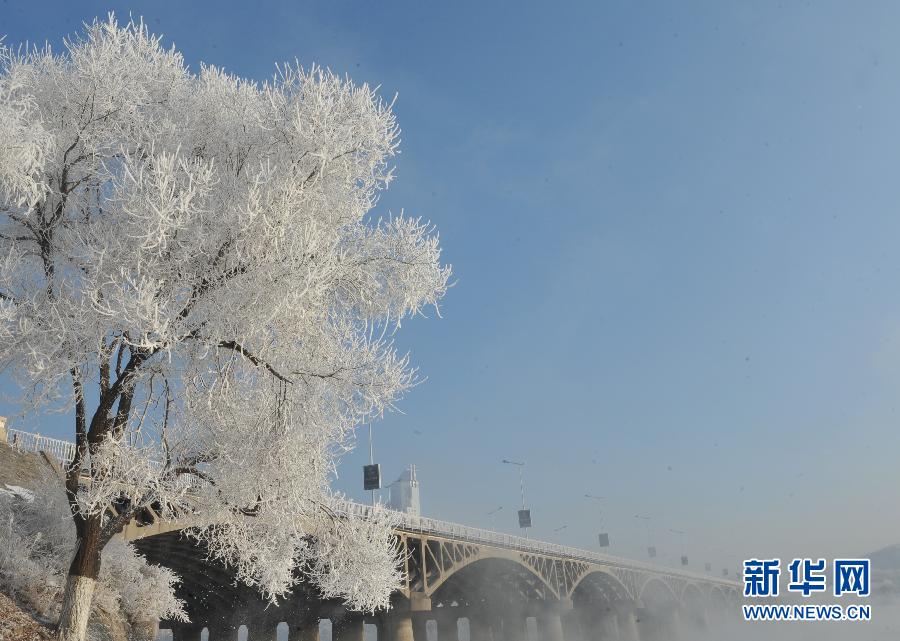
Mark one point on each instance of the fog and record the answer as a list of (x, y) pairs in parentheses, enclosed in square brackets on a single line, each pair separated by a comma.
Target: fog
[(884, 626)]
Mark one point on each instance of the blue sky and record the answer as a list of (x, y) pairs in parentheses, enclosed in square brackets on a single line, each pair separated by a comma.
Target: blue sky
[(674, 233)]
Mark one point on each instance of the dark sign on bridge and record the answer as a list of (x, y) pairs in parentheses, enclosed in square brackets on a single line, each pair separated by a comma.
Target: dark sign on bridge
[(372, 477), (524, 518)]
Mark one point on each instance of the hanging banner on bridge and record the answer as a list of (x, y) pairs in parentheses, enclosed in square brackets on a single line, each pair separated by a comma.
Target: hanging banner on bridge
[(651, 552), (524, 518), (372, 477), (684, 560), (604, 539)]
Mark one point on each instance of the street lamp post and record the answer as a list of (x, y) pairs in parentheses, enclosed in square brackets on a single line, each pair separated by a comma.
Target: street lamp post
[(372, 471), (524, 513)]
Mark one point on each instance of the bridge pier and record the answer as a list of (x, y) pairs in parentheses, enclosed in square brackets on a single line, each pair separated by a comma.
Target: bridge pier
[(600, 626), (661, 623), (558, 621), (673, 622), (350, 629), (696, 617), (420, 627), (399, 628), (479, 628), (572, 629), (185, 632), (550, 627), (448, 627), (306, 631), (626, 622), (405, 621), (512, 628), (260, 630), (650, 624), (381, 626)]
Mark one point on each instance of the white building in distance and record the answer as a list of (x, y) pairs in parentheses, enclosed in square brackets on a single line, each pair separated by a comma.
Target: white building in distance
[(404, 493)]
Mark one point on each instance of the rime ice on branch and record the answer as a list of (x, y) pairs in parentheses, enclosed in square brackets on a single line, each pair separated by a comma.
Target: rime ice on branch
[(194, 251)]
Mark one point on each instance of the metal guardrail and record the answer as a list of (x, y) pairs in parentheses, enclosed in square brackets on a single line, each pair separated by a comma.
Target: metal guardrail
[(64, 451), (424, 525)]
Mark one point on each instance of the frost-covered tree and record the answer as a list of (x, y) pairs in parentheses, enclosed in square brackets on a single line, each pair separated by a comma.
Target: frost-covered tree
[(189, 262)]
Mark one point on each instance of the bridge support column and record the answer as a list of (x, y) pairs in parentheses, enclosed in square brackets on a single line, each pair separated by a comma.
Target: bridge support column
[(419, 606), (673, 623), (559, 622), (420, 628), (599, 626), (309, 631), (381, 627), (652, 624), (479, 628), (406, 622), (260, 631), (608, 625), (626, 620), (221, 632), (512, 628), (184, 633), (572, 629), (400, 628), (696, 617), (550, 627), (448, 628), (350, 629)]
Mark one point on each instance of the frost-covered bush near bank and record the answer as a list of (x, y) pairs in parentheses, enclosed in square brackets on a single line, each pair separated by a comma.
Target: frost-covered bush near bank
[(37, 543), (143, 591), (196, 251)]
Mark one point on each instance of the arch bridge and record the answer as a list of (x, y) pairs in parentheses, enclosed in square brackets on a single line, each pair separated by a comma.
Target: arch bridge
[(462, 583)]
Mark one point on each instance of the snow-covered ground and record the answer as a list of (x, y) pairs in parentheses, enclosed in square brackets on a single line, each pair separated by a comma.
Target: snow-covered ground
[(16, 491)]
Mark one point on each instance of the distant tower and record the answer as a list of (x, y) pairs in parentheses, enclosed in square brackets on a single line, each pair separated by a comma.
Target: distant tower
[(404, 495)]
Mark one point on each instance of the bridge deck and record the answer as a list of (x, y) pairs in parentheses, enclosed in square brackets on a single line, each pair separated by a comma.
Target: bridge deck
[(446, 529)]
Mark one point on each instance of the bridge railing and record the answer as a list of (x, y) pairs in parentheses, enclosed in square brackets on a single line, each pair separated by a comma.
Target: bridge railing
[(425, 525), (64, 451)]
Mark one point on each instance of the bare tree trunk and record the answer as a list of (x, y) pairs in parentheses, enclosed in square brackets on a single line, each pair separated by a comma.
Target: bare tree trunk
[(79, 593)]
